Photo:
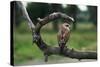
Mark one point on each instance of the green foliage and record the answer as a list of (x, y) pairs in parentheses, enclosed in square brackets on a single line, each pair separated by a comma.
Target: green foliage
[(23, 28), (82, 39), (93, 14), (24, 49), (17, 14)]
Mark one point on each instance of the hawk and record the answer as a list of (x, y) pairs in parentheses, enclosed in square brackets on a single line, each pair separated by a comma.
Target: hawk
[(63, 35)]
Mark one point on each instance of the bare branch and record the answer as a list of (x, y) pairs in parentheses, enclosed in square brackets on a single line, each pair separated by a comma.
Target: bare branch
[(56, 15), (74, 54), (49, 50), (25, 14)]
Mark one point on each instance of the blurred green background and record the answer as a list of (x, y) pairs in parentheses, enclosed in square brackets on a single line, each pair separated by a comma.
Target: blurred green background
[(83, 33)]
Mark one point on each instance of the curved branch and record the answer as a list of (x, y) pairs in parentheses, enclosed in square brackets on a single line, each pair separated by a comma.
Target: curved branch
[(48, 50)]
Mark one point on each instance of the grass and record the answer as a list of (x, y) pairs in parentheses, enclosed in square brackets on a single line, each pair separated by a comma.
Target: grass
[(24, 49), (83, 39)]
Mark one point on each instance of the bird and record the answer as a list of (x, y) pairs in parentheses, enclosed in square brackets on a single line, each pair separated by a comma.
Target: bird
[(63, 35)]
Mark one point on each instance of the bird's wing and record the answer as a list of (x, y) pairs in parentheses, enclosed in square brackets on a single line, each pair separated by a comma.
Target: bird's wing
[(66, 36)]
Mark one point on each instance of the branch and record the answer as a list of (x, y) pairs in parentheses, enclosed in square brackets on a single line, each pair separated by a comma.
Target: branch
[(49, 50), (25, 15), (74, 54)]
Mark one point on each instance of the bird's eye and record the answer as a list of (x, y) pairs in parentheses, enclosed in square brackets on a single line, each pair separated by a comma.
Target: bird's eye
[(67, 25)]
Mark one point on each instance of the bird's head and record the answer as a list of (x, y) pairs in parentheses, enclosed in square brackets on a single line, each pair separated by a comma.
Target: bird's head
[(66, 26)]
